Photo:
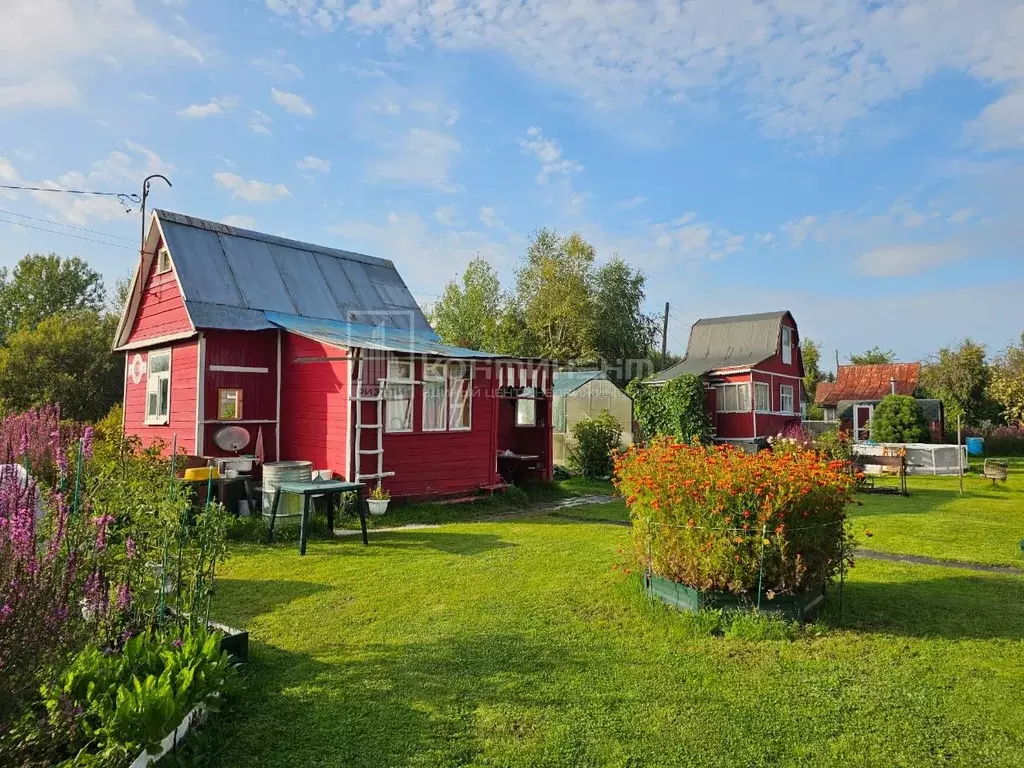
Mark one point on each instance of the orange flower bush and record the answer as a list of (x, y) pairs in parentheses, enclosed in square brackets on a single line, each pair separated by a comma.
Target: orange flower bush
[(707, 516)]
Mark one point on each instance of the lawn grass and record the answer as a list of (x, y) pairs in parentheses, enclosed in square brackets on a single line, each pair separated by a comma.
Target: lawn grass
[(985, 525), (516, 643)]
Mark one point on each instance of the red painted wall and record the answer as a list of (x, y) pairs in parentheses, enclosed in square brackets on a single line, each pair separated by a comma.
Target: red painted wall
[(162, 309), (249, 349), (182, 407), (314, 403)]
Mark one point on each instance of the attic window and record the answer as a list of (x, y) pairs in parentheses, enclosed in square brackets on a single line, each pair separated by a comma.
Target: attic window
[(163, 261), (787, 345)]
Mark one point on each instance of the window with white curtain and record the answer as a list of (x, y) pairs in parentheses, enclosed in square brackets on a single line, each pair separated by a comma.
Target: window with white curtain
[(435, 397), (526, 409), (398, 396), (460, 395), (158, 387), (733, 398), (762, 397), (786, 397)]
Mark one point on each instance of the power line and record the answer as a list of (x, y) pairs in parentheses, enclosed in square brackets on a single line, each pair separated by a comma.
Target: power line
[(67, 234), (68, 191), (68, 226)]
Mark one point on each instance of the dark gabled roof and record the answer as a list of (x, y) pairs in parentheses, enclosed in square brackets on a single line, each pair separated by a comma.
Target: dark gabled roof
[(230, 276), (728, 342), (869, 383)]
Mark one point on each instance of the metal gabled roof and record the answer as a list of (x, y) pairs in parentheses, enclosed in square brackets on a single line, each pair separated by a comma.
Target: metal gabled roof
[(870, 383), (230, 276), (348, 335), (728, 342)]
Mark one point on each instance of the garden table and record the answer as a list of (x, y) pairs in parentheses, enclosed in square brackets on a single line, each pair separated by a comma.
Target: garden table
[(332, 489)]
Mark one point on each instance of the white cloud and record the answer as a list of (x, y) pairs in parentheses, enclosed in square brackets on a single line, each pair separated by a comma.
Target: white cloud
[(1001, 124), (490, 217), (260, 123), (766, 238), (48, 46), (121, 169), (391, 108), (452, 118), (907, 259), (252, 191), (7, 172), (310, 163), (420, 157), (799, 229), (445, 214), (959, 217), (214, 106), (292, 102), (277, 66), (630, 203), (549, 154), (800, 66), (238, 220)]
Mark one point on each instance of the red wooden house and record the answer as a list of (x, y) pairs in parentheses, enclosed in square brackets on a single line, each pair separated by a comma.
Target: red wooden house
[(752, 370), (322, 355)]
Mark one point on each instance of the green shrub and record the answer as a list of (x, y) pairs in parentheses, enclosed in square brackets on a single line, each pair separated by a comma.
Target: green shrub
[(675, 409), (594, 439), (898, 419), (835, 445)]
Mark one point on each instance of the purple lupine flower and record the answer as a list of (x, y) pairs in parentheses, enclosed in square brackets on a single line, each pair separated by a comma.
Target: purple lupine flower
[(177, 643), (101, 522), (5, 611), (95, 594), (129, 547), (87, 436), (124, 597)]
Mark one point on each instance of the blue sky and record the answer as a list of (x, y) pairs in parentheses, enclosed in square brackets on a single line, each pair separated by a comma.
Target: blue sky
[(858, 163)]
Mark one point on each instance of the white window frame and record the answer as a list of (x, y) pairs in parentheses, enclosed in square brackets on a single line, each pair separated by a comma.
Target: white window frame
[(763, 386), (743, 404), (452, 393), (408, 383), (163, 261), (786, 391), (532, 399), (431, 376), (787, 345), (153, 386)]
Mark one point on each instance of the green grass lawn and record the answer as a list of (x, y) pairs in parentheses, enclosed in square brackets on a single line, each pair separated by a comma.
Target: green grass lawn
[(985, 525), (516, 643)]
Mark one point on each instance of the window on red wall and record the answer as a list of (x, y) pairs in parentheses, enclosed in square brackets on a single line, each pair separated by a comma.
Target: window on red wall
[(158, 387), (787, 345)]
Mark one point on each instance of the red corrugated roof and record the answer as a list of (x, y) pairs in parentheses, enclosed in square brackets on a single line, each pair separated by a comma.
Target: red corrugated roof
[(823, 390), (863, 383)]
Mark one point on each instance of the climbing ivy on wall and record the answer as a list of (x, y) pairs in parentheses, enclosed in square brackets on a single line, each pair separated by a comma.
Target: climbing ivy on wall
[(675, 408)]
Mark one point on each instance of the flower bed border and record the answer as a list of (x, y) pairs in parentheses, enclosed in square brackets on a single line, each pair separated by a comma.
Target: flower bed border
[(802, 607), (195, 718)]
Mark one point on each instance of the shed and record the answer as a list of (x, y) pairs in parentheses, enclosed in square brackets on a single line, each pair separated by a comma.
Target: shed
[(579, 395), (319, 354)]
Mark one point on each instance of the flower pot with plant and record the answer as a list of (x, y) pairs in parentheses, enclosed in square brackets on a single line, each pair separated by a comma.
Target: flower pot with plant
[(378, 501)]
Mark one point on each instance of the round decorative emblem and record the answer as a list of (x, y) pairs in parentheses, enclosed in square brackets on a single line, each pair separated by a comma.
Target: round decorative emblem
[(137, 368)]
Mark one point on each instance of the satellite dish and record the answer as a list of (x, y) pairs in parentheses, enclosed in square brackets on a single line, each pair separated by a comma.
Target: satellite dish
[(231, 438)]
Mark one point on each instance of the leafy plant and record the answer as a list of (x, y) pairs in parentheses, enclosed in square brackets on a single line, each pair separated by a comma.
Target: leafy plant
[(835, 444), (110, 706), (676, 409), (711, 517), (595, 439), (898, 419), (379, 494)]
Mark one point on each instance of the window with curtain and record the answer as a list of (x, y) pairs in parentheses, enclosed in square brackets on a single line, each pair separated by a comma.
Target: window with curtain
[(762, 397), (435, 397), (158, 387), (460, 395), (787, 345), (398, 396), (733, 398), (526, 409), (786, 397)]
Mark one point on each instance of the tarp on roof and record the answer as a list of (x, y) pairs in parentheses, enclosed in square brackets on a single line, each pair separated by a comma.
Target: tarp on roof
[(566, 382), (349, 335), (870, 383), (230, 276), (727, 342)]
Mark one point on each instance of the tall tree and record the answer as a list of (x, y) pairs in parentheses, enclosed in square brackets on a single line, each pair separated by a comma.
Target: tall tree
[(470, 310), (959, 377), (42, 285), (874, 356), (554, 293), (623, 333), (1007, 385), (65, 359), (810, 351)]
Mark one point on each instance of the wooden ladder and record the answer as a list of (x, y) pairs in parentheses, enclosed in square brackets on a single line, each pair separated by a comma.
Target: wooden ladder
[(356, 400)]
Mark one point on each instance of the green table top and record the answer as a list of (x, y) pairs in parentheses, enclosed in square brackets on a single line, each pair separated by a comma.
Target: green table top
[(319, 486)]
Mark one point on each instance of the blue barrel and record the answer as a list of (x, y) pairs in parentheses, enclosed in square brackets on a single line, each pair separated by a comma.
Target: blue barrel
[(975, 446)]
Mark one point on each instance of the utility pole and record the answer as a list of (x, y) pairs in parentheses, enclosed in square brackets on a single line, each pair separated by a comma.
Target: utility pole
[(664, 336)]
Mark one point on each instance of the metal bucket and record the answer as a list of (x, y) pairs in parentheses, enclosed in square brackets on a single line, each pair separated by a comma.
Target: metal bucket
[(278, 472)]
